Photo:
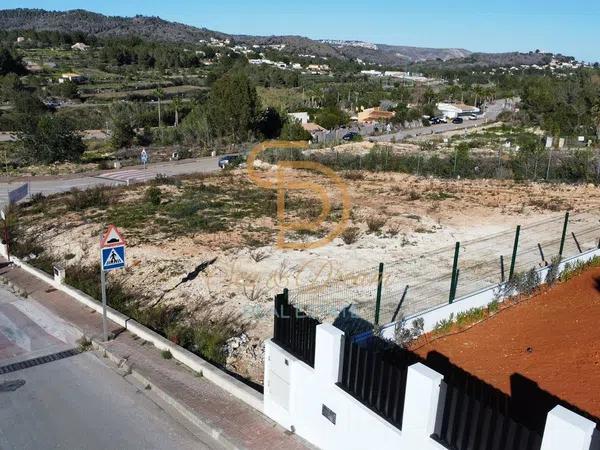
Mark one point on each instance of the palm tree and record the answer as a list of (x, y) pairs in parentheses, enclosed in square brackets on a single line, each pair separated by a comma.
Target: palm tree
[(159, 94), (177, 105), (479, 93)]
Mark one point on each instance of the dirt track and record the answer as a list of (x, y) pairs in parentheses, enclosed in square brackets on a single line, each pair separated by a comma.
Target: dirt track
[(552, 339)]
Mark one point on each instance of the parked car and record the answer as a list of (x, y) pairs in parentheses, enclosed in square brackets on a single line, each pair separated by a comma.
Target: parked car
[(228, 159), (435, 121), (350, 136), (457, 120), (473, 117)]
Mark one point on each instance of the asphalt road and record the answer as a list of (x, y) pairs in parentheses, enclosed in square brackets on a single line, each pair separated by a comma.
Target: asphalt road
[(491, 114), (53, 185), (78, 402)]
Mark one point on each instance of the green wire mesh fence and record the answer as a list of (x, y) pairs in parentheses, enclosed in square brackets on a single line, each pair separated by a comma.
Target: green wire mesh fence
[(418, 284)]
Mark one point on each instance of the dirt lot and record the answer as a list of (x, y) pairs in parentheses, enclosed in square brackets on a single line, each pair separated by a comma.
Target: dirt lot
[(552, 339), (229, 218)]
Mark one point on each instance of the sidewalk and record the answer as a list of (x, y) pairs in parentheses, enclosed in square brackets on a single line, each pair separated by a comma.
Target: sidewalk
[(229, 420)]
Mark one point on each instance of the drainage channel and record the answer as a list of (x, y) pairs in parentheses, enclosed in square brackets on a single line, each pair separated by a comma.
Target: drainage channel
[(38, 361)]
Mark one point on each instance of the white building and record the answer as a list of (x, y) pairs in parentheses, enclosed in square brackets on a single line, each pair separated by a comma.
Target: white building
[(300, 117), (454, 110), (80, 46)]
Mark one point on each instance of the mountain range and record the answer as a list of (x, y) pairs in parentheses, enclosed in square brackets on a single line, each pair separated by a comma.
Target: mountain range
[(155, 28)]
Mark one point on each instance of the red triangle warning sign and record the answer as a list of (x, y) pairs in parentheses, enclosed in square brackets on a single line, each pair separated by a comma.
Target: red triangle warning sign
[(112, 238)]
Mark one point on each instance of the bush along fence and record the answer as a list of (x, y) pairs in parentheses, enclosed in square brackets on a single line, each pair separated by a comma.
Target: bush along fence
[(396, 290), (372, 393)]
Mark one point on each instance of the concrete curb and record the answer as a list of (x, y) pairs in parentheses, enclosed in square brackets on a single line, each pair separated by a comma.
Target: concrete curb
[(223, 380)]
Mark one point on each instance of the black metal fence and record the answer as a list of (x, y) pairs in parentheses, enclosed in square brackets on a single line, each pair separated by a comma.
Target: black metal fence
[(374, 373), (294, 331), (467, 423)]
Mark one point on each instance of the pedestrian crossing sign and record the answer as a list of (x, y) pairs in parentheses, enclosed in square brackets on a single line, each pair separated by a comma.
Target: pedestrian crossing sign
[(113, 258)]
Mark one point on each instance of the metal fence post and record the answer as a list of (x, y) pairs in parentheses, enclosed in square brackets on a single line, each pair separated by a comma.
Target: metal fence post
[(379, 289), (564, 235), (454, 272), (514, 253)]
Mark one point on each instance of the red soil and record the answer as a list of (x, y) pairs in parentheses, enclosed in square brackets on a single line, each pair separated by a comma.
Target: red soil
[(561, 329)]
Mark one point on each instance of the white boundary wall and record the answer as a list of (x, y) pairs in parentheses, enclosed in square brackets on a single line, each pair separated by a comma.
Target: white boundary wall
[(296, 396), (476, 299)]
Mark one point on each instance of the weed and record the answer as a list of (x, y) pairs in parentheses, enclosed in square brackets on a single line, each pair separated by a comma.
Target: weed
[(393, 230), (413, 196), (375, 223), (350, 235), (404, 335), (254, 292), (354, 175), (552, 275), (153, 195), (258, 255), (97, 197), (166, 354), (444, 325), (84, 344)]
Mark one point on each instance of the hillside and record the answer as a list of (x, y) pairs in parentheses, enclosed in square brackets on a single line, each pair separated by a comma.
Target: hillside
[(155, 28)]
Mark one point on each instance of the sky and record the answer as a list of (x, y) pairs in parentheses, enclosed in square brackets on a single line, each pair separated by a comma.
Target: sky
[(569, 27)]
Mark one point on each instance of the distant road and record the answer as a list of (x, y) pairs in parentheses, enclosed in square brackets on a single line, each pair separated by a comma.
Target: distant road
[(73, 400), (54, 184), (491, 115)]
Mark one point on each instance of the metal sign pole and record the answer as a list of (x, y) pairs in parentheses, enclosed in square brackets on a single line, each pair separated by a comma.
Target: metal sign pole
[(104, 327), (103, 289)]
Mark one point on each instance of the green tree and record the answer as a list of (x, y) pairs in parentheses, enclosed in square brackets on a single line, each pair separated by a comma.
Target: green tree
[(331, 117), (10, 63), (9, 85), (195, 128), (27, 110), (122, 126), (232, 106), (269, 123), (68, 89), (293, 131), (52, 139)]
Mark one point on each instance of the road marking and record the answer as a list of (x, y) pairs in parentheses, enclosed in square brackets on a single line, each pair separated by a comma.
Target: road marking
[(128, 175)]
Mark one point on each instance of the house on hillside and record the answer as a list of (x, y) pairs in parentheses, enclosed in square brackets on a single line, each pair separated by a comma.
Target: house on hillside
[(301, 117), (80, 46), (313, 128), (454, 110), (72, 77), (377, 114)]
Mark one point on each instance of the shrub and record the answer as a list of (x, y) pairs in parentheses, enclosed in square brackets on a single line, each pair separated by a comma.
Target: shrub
[(404, 336), (96, 197), (414, 195), (552, 275), (522, 283), (354, 175), (375, 223), (350, 235), (153, 195), (52, 139)]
